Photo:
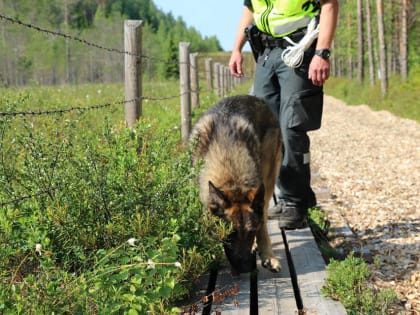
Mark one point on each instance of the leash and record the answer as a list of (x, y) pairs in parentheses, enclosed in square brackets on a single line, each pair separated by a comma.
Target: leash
[(292, 270)]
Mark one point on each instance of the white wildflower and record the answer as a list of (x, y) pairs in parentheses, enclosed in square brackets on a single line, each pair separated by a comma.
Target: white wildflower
[(38, 248), (132, 241), (178, 264), (151, 264)]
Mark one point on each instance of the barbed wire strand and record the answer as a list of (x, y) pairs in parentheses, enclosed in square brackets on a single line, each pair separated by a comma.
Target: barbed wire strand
[(67, 36), (83, 109), (62, 111), (82, 41)]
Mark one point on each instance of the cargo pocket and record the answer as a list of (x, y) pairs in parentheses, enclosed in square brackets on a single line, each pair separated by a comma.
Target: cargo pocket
[(306, 110)]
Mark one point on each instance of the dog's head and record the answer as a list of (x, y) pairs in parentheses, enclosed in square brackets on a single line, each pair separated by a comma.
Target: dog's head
[(244, 209)]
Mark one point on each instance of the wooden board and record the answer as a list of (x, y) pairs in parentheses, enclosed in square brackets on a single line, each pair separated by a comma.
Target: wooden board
[(275, 290), (310, 270)]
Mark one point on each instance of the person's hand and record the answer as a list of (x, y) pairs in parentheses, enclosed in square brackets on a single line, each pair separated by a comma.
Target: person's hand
[(319, 70), (235, 64)]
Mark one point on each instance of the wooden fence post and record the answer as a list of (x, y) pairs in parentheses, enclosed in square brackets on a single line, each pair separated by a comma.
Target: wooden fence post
[(195, 87), (132, 64), (209, 73), (227, 80), (222, 80), (231, 83), (184, 79), (217, 85)]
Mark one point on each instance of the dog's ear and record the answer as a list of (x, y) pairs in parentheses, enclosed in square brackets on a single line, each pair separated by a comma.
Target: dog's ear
[(256, 196), (217, 201)]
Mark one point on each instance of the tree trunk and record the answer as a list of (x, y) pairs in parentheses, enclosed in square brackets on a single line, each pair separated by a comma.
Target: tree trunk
[(370, 44), (349, 48), (403, 40), (382, 48), (360, 50)]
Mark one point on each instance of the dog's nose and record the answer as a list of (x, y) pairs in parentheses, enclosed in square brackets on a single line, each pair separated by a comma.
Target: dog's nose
[(241, 262)]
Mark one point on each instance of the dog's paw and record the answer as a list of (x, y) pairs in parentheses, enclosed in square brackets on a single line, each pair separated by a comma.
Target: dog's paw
[(271, 264)]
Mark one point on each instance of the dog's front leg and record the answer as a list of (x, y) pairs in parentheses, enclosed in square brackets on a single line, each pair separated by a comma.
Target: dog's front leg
[(268, 260)]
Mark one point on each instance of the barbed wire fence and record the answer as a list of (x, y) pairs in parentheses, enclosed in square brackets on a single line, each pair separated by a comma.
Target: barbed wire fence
[(216, 75)]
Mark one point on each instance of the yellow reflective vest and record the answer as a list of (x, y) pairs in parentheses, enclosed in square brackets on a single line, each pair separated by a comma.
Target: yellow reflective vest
[(282, 17)]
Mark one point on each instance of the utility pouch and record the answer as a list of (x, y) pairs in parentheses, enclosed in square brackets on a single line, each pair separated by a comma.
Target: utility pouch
[(253, 35), (306, 109)]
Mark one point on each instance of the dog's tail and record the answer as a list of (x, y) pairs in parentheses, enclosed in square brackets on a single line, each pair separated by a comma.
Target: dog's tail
[(201, 137)]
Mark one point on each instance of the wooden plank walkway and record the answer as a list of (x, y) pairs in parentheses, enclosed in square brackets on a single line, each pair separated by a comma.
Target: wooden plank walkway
[(275, 292), (267, 293)]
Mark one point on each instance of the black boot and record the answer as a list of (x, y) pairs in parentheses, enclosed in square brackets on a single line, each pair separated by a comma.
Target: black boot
[(289, 215)]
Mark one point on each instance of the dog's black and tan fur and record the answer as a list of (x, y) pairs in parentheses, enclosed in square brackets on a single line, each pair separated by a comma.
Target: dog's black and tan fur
[(240, 144)]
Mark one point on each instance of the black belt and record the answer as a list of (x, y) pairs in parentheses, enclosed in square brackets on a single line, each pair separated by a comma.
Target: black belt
[(279, 42)]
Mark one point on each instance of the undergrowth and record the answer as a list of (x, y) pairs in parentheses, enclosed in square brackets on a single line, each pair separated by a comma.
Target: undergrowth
[(402, 98), (96, 218), (348, 281), (348, 278)]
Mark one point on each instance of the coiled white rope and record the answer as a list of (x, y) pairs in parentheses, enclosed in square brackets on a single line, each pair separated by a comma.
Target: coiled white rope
[(293, 55)]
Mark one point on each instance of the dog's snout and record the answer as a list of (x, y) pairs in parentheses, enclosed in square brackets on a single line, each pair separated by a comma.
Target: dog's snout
[(241, 261), (239, 249)]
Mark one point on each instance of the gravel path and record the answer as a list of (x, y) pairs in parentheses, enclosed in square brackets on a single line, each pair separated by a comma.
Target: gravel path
[(367, 167)]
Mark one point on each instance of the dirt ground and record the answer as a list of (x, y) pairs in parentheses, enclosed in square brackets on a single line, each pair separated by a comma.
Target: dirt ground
[(368, 169)]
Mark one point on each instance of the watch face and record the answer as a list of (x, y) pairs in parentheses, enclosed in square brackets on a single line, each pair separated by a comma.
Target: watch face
[(323, 53)]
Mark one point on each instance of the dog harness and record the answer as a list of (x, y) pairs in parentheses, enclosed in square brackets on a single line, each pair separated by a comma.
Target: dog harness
[(279, 18)]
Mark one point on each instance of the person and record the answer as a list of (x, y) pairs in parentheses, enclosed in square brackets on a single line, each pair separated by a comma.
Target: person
[(294, 94)]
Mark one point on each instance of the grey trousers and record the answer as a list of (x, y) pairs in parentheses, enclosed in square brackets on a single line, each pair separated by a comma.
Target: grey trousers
[(298, 105)]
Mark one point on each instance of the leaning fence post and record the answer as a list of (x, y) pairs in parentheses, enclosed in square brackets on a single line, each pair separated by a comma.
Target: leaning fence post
[(184, 79), (195, 87), (132, 64)]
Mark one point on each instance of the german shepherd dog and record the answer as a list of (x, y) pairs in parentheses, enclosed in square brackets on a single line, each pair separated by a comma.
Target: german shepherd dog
[(239, 142)]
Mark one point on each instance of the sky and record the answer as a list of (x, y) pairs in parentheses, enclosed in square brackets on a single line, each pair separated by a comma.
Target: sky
[(218, 18)]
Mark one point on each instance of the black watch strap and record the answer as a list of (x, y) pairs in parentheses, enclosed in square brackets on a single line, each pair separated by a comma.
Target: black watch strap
[(323, 53)]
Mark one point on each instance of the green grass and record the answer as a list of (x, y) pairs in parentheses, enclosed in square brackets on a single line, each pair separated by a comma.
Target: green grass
[(77, 186), (402, 99), (320, 225)]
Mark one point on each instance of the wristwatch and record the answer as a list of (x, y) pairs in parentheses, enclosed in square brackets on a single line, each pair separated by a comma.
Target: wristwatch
[(323, 53)]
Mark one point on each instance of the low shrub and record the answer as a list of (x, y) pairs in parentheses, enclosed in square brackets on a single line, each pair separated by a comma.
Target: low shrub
[(97, 218), (348, 282)]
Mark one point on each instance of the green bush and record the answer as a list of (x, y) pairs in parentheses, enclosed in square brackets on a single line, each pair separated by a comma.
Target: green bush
[(75, 188), (348, 282)]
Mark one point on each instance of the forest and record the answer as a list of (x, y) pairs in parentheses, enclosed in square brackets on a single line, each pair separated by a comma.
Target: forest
[(33, 57), (376, 45), (376, 40)]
